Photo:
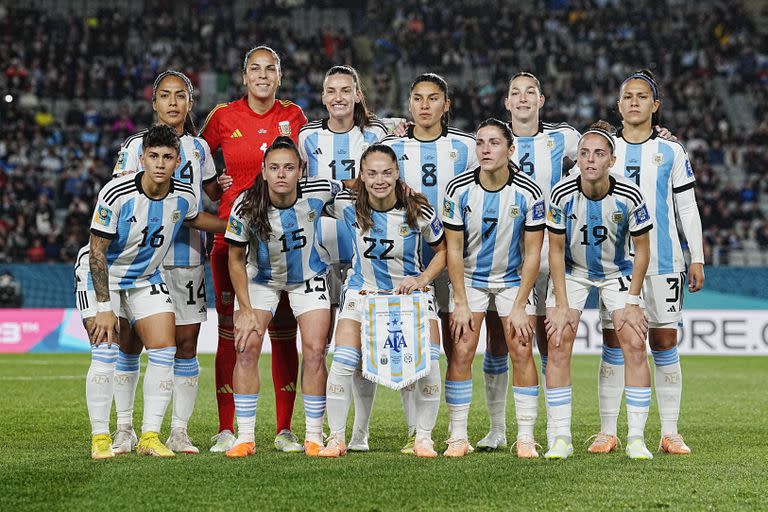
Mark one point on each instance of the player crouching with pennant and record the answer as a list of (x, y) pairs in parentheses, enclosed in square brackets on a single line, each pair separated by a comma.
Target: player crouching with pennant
[(276, 220), (389, 227)]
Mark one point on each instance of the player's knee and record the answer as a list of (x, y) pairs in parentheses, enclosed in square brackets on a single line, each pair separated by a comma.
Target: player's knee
[(249, 358), (186, 346), (559, 355), (520, 353), (461, 356)]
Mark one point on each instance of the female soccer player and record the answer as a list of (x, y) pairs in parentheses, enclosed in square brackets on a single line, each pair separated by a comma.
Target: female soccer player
[(244, 129), (276, 220), (494, 220), (183, 271), (124, 261), (389, 228), (592, 216), (429, 155), (663, 172)]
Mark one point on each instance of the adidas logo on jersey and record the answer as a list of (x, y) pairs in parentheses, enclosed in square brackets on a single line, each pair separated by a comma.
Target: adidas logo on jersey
[(322, 297), (318, 151), (404, 157), (672, 309), (236, 134), (132, 219), (168, 300)]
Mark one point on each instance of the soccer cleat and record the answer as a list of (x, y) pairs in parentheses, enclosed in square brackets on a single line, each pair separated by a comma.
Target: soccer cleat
[(287, 442), (125, 440), (149, 444), (492, 441), (359, 441), (636, 449), (561, 449), (311, 448), (603, 443), (179, 441), (408, 448), (674, 444), (457, 448), (424, 448), (526, 448), (101, 447), (223, 441), (334, 449), (241, 450)]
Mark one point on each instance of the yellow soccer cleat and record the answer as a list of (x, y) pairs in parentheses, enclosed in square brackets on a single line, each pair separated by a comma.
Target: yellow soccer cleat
[(149, 444), (674, 445), (408, 448), (636, 449), (603, 443), (101, 447)]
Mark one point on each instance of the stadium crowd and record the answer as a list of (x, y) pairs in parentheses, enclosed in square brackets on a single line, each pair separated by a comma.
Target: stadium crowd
[(74, 88)]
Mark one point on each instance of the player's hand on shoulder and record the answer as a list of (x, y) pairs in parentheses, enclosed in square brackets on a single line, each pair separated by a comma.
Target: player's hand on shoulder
[(665, 134), (224, 180)]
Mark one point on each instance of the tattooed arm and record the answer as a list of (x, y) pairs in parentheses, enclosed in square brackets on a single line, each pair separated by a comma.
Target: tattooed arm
[(105, 325)]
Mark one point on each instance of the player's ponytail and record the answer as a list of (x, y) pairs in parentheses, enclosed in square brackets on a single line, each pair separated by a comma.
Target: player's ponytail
[(647, 76), (189, 123), (413, 204), (440, 82), (362, 116)]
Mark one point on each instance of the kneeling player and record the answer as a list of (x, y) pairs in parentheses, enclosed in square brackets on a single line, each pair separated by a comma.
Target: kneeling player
[(591, 217)]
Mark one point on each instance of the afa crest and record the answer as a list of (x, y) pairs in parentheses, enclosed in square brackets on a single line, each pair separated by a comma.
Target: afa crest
[(657, 159), (405, 229), (617, 217), (311, 216), (175, 216), (514, 211)]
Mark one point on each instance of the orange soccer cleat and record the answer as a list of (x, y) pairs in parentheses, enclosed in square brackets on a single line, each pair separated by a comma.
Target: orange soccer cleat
[(241, 450)]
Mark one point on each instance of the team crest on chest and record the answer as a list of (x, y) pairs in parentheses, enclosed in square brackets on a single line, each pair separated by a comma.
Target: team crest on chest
[(196, 155), (550, 143), (404, 229), (657, 159), (285, 127), (514, 211), (175, 216), (453, 154), (617, 217), (311, 216)]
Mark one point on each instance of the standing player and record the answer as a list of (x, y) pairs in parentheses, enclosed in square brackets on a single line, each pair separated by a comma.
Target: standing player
[(663, 172), (244, 129), (494, 219), (429, 156), (183, 270), (389, 229), (276, 220), (136, 218), (545, 152), (332, 147), (592, 216)]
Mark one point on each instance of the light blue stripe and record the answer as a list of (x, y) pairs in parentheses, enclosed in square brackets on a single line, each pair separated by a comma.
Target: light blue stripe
[(141, 262), (186, 367), (347, 355), (543, 364), (434, 352), (555, 403), (380, 268), (314, 405), (569, 234), (310, 145), (661, 222), (526, 390), (429, 155), (484, 261), (161, 356), (395, 338), (341, 152), (594, 252), (117, 246), (182, 238), (495, 365), (612, 355), (527, 152), (265, 264), (293, 260), (620, 258), (557, 158), (665, 357), (458, 392), (102, 359), (515, 253)]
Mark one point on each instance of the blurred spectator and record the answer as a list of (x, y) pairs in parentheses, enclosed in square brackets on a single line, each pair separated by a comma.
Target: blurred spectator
[(10, 291)]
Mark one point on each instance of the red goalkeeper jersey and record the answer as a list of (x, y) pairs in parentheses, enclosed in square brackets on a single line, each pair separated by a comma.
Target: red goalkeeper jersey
[(243, 136)]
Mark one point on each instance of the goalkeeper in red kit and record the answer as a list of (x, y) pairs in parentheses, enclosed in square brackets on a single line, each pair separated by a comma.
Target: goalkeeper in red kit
[(244, 129)]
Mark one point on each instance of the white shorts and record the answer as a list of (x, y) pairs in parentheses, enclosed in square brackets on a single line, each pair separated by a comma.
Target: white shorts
[(307, 296), (132, 303), (662, 297), (442, 292), (187, 287), (612, 292), (336, 276), (353, 306), (479, 300)]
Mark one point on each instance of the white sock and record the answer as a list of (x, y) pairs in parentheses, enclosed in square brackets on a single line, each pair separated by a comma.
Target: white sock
[(126, 381), (408, 399), (186, 373), (496, 376), (559, 400), (458, 396), (668, 379), (158, 387), (314, 408), (338, 391), (245, 410), (99, 384), (610, 386), (543, 381), (526, 409), (427, 397), (638, 403), (363, 393)]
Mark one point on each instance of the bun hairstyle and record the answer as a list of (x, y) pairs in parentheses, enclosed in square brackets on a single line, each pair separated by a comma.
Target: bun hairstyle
[(604, 129), (647, 76)]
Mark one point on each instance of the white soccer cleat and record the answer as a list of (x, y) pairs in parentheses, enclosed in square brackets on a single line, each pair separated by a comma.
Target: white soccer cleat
[(636, 449), (492, 441), (561, 449), (223, 441), (359, 441), (125, 440), (179, 441), (287, 442)]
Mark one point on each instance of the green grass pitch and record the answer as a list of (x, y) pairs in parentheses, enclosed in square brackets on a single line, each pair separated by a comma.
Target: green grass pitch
[(45, 453)]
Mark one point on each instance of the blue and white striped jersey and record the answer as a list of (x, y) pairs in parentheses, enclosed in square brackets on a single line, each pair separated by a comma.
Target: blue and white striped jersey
[(82, 269), (291, 255), (493, 223), (428, 165), (196, 168), (597, 232), (336, 156), (661, 169), (391, 249), (141, 229)]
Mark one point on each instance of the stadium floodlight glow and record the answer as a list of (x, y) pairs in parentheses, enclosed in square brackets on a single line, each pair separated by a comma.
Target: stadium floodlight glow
[(8, 98)]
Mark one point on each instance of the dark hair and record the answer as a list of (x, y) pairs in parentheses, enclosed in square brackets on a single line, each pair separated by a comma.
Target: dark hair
[(262, 48), (362, 116), (526, 74), (647, 76), (506, 131), (603, 128), (189, 123), (440, 82), (413, 204), (254, 208), (161, 135)]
